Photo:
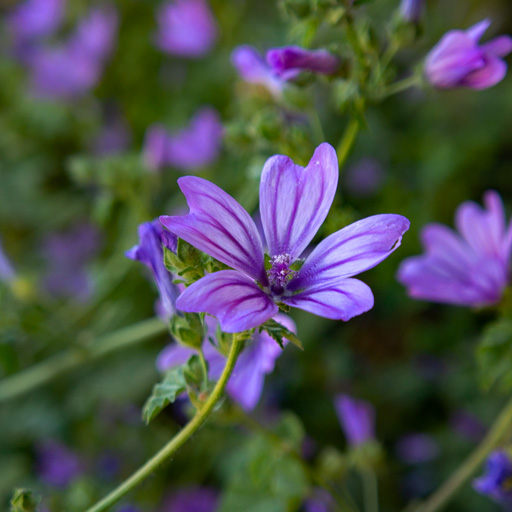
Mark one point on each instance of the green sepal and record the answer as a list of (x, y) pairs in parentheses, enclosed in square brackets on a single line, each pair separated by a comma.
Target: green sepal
[(24, 500), (194, 374), (186, 262), (165, 393), (279, 332), (187, 329)]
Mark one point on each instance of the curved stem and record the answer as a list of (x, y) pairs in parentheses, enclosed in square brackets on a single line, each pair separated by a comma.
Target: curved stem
[(347, 141), (180, 438), (43, 372), (491, 441)]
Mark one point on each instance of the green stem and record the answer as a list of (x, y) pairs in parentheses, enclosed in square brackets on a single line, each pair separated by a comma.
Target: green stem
[(180, 438), (371, 490), (401, 85), (491, 441), (43, 372), (347, 141), (204, 366)]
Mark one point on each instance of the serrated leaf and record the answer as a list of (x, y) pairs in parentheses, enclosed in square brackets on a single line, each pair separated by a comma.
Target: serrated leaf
[(279, 333), (164, 393), (24, 500)]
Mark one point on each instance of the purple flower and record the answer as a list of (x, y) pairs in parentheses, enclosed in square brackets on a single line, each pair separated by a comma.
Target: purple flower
[(150, 253), (252, 68), (7, 272), (196, 146), (320, 501), (71, 69), (294, 202), (365, 177), (357, 419), (458, 61), (113, 138), (192, 499), (35, 19), (496, 482), (247, 380), (57, 465), (68, 254), (186, 28), (468, 269), (412, 10), (417, 448), (467, 425), (289, 61)]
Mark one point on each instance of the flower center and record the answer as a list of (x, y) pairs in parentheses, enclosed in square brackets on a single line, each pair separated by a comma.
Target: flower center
[(280, 273)]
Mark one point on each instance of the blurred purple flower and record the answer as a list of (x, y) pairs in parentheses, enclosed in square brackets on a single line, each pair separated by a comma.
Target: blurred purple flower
[(192, 499), (458, 61), (7, 272), (468, 269), (57, 465), (35, 19), (468, 425), (417, 448), (496, 482), (128, 508), (68, 254), (294, 202), (287, 62), (357, 419), (320, 501), (71, 69), (252, 68), (149, 252), (365, 177), (114, 138), (186, 28), (412, 10), (194, 147), (257, 360)]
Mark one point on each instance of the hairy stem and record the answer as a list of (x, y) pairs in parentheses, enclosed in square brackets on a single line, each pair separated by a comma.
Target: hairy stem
[(60, 363), (180, 438), (491, 441)]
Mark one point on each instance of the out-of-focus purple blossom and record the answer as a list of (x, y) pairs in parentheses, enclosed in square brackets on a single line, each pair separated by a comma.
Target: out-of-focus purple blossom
[(294, 202), (252, 68), (468, 269), (192, 499), (357, 418), (417, 448), (468, 425), (74, 67), (412, 10), (365, 177), (320, 501), (108, 465), (7, 272), (186, 28), (496, 482), (35, 19), (458, 61), (57, 465), (196, 146), (114, 138), (68, 254), (128, 508), (149, 252), (287, 62), (257, 360)]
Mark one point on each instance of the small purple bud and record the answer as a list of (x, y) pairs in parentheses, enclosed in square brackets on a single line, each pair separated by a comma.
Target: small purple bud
[(357, 419), (412, 10), (417, 448)]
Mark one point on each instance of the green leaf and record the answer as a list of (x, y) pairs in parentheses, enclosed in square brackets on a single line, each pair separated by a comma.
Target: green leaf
[(24, 500), (279, 333), (164, 393), (494, 355)]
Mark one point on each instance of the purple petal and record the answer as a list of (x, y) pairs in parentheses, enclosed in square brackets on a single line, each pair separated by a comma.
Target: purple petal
[(339, 300), (219, 226), (34, 19), (490, 74), (294, 200), (7, 272), (232, 297), (357, 419), (477, 30), (173, 355), (155, 147), (354, 249), (499, 46)]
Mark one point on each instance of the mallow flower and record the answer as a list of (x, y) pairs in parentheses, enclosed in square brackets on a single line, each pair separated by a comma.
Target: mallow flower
[(357, 419), (287, 62), (469, 268), (257, 360), (149, 251), (459, 61), (496, 482), (294, 202), (191, 148), (186, 28)]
